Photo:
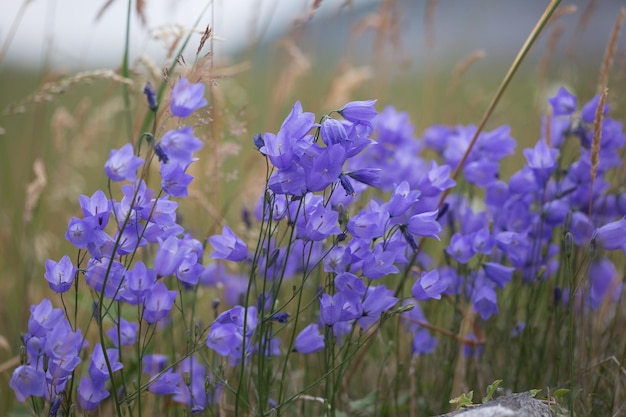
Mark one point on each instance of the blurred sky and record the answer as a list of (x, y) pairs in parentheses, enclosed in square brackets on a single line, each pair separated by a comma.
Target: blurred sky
[(67, 35)]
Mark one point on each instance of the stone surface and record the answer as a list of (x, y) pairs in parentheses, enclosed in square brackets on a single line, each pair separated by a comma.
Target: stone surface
[(516, 405)]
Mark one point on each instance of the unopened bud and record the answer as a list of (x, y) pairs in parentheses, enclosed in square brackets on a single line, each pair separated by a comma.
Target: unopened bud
[(569, 244), (151, 96), (23, 356)]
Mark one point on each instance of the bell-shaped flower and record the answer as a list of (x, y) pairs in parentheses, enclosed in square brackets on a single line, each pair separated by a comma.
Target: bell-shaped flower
[(60, 275), (122, 164), (563, 103), (228, 246), (159, 302), (309, 340), (428, 286), (28, 381), (186, 98)]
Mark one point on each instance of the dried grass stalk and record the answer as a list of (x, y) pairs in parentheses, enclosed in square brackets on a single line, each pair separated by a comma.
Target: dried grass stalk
[(597, 135), (34, 189), (462, 67), (607, 61), (51, 89)]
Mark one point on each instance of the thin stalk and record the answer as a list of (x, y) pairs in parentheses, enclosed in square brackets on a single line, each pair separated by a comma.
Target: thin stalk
[(126, 73), (505, 82)]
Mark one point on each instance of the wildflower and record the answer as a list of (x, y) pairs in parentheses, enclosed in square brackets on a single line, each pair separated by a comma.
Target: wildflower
[(278, 148), (485, 302), (436, 180), (186, 98), (291, 180), (483, 242), (168, 257), (27, 381), (428, 286), (360, 112), (321, 223), (333, 132), (379, 263), (62, 342), (461, 248), (499, 274), (91, 393), (563, 103), (174, 180), (180, 144), (369, 176), (402, 199), (377, 300), (423, 342), (425, 224), (140, 281), (602, 276), (228, 246), (127, 333), (166, 383), (588, 113), (159, 302), (151, 96), (331, 307), (43, 318), (481, 173), (105, 272), (309, 340), (337, 259), (154, 363), (225, 339), (325, 168), (80, 232), (60, 275), (98, 369), (97, 206), (542, 160), (122, 164), (611, 236)]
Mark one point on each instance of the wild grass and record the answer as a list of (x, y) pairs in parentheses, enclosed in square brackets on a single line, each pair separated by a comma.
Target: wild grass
[(57, 133)]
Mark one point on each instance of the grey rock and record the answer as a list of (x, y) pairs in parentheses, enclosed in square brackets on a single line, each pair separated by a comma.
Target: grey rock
[(515, 405)]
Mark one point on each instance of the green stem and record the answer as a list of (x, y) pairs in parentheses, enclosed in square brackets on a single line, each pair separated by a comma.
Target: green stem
[(126, 73)]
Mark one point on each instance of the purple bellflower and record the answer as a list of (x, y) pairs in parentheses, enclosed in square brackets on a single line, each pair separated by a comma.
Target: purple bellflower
[(159, 302), (60, 275), (228, 246), (309, 340), (611, 236), (542, 160), (360, 112), (187, 98), (428, 286), (127, 333), (122, 164), (563, 103), (27, 381), (97, 206), (91, 393), (180, 144)]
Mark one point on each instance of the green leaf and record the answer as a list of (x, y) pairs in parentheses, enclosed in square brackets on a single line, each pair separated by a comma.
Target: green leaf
[(463, 400), (491, 389), (365, 405), (561, 392), (533, 392)]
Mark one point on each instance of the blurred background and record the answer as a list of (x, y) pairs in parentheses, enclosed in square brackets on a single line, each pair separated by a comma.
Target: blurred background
[(61, 105)]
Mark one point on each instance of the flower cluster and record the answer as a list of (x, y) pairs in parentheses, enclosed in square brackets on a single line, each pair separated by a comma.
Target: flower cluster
[(351, 216), (108, 235)]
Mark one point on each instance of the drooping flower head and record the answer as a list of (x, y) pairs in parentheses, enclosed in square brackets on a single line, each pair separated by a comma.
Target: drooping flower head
[(187, 98)]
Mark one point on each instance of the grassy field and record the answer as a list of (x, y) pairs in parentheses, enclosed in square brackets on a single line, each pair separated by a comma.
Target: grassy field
[(58, 130)]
